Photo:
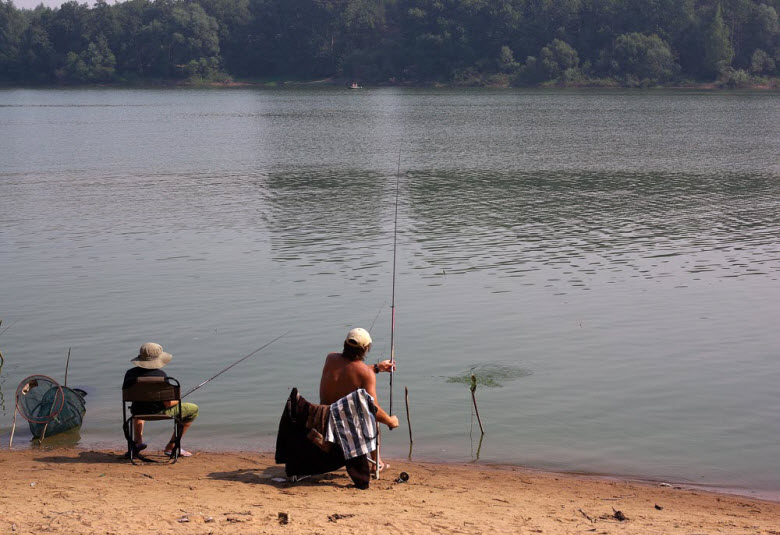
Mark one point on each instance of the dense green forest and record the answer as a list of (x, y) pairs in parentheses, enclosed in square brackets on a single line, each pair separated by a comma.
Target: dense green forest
[(498, 42)]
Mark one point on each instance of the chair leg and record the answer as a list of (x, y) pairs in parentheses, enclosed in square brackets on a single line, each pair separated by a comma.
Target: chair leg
[(177, 429), (130, 433), (131, 438)]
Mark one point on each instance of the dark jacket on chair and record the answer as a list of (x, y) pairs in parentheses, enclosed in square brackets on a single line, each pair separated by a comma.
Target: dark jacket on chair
[(300, 447)]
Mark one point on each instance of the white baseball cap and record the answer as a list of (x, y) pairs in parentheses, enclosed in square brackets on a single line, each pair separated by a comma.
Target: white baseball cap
[(358, 338)]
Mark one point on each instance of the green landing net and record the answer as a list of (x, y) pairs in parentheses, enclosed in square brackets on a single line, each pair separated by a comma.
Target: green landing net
[(48, 407)]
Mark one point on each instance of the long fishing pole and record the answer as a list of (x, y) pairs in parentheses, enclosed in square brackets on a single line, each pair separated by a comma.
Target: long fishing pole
[(392, 302), (236, 362), (12, 324)]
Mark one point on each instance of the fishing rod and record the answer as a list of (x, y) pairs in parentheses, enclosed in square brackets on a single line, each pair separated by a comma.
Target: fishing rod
[(236, 362), (392, 301), (12, 324)]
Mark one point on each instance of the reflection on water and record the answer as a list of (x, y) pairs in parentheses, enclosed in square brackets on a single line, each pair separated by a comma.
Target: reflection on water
[(622, 245), (2, 382), (545, 227), (475, 452), (2, 363), (60, 440), (328, 220), (574, 227)]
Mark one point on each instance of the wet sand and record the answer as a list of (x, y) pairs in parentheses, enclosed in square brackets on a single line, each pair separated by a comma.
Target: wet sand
[(81, 491)]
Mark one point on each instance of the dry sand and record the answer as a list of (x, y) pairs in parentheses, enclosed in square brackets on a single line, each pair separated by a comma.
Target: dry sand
[(79, 491)]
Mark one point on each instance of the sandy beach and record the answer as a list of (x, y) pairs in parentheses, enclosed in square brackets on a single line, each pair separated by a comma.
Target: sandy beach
[(86, 491)]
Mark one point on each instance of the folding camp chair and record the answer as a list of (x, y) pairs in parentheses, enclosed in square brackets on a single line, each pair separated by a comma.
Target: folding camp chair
[(151, 390)]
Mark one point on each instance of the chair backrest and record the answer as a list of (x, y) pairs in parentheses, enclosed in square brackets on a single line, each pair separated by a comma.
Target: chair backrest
[(151, 389)]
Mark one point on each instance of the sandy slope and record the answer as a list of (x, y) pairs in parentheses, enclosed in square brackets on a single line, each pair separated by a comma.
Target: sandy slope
[(79, 491)]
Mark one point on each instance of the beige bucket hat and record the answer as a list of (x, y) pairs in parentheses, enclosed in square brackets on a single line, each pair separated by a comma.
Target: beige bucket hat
[(358, 338), (151, 356)]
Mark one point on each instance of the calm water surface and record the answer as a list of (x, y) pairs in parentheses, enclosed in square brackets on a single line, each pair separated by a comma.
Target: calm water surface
[(617, 254)]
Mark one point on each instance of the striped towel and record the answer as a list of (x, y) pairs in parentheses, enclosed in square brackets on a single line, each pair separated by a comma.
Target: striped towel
[(352, 424)]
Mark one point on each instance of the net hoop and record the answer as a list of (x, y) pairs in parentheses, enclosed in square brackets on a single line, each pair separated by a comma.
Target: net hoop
[(57, 404)]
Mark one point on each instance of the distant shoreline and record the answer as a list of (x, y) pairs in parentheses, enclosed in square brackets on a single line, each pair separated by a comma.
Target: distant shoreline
[(771, 85)]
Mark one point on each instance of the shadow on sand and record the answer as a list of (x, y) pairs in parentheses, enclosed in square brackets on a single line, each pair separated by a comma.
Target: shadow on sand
[(268, 475), (85, 457)]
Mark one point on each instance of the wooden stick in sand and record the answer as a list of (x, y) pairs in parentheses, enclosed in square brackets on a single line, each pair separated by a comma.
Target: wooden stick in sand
[(474, 399), (43, 434), (67, 365), (408, 420), (13, 428)]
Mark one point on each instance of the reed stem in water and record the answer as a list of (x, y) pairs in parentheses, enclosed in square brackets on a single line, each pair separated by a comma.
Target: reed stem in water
[(474, 399)]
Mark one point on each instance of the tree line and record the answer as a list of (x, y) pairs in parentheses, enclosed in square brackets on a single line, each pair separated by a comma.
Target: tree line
[(493, 42)]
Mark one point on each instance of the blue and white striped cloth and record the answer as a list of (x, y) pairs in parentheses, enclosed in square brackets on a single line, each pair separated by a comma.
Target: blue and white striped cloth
[(352, 424)]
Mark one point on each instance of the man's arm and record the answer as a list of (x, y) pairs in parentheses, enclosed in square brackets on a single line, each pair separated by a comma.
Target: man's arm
[(381, 416), (384, 366)]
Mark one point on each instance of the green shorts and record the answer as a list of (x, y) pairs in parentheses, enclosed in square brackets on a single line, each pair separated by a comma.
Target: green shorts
[(189, 411)]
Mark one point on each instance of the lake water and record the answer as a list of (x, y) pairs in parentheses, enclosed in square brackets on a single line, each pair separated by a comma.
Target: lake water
[(613, 256)]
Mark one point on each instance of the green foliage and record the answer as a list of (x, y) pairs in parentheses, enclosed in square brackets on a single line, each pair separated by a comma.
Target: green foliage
[(762, 63), (37, 56), (94, 64), (647, 58), (564, 42), (11, 34), (558, 60), (718, 51), (506, 61), (760, 32), (193, 45), (734, 78)]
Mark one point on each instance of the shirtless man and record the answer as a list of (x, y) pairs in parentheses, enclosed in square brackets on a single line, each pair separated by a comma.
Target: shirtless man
[(345, 372)]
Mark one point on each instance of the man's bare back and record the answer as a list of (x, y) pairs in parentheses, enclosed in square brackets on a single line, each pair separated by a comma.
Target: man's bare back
[(346, 372), (341, 377)]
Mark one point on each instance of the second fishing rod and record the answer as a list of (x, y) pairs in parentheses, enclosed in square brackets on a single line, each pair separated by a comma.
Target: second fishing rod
[(392, 299), (234, 364)]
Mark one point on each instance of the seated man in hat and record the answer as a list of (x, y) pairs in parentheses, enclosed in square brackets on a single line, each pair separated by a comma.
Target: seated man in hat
[(346, 372), (151, 358)]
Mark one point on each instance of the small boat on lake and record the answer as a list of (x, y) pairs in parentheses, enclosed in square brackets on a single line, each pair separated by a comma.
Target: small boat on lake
[(354, 85)]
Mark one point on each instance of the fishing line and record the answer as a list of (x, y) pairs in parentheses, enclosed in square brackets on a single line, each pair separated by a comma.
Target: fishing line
[(377, 315), (236, 362)]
